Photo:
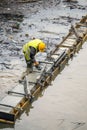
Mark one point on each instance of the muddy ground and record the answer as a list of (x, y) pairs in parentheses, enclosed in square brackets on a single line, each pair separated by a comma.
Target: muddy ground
[(20, 21)]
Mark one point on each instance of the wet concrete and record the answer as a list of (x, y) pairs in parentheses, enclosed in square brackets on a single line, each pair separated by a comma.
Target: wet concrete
[(61, 103)]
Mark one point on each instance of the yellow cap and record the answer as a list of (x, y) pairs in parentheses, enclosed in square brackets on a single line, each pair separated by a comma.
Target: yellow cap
[(42, 47)]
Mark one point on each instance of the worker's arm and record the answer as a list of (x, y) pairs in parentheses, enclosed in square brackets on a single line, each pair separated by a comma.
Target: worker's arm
[(32, 54)]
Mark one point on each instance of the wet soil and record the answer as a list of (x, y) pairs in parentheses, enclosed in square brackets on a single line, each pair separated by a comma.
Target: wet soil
[(20, 21)]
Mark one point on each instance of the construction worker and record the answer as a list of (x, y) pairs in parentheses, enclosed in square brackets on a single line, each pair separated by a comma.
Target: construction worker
[(30, 49)]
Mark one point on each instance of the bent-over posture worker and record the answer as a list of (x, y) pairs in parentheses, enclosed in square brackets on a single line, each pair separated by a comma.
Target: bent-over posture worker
[(30, 49)]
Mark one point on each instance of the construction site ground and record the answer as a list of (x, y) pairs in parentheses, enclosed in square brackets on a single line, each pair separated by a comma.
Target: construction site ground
[(63, 105)]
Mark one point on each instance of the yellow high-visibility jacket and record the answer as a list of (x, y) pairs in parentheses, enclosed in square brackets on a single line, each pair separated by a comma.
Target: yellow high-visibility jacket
[(26, 48)]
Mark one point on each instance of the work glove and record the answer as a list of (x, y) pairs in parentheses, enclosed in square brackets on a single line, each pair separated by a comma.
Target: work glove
[(36, 64), (38, 67)]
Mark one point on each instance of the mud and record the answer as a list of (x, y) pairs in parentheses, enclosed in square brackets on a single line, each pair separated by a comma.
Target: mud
[(20, 21)]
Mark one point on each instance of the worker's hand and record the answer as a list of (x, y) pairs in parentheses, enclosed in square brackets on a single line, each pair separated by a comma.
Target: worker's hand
[(36, 63), (38, 67)]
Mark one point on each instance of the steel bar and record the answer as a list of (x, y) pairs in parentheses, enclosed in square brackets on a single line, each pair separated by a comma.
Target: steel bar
[(37, 71), (32, 82), (9, 92), (46, 62), (5, 105)]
